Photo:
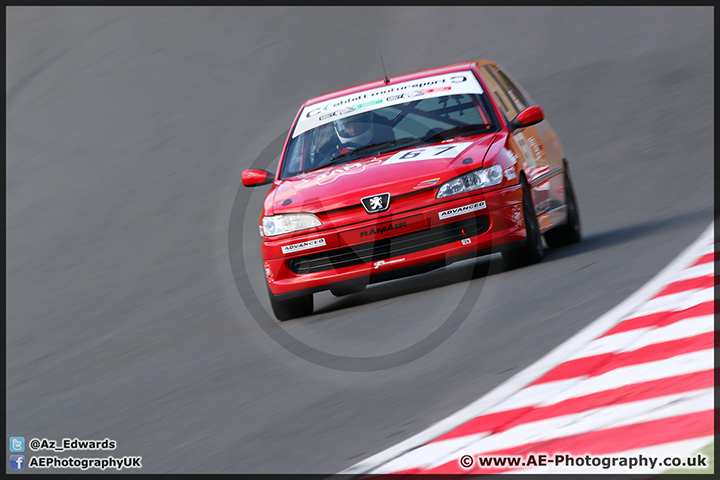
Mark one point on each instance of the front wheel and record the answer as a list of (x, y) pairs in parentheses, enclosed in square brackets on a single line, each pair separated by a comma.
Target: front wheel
[(292, 307), (532, 251), (569, 232)]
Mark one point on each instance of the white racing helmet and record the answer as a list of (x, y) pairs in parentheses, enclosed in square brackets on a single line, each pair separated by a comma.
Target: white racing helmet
[(355, 131)]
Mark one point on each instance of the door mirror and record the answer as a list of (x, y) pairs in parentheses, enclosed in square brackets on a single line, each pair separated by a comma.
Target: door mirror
[(255, 177), (529, 116)]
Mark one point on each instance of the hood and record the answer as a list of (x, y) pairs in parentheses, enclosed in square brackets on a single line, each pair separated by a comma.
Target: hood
[(397, 173)]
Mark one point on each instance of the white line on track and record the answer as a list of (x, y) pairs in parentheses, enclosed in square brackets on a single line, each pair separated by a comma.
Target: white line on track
[(702, 270), (430, 454), (675, 302), (643, 337), (686, 328), (446, 451), (588, 421), (555, 392), (694, 362), (552, 359)]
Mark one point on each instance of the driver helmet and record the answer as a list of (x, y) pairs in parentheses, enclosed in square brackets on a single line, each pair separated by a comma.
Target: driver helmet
[(356, 130)]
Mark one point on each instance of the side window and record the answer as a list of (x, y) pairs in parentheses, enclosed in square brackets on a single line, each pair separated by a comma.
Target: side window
[(507, 106), (515, 94)]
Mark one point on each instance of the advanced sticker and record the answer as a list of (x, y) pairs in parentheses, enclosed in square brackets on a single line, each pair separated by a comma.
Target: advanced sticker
[(296, 247), (461, 210)]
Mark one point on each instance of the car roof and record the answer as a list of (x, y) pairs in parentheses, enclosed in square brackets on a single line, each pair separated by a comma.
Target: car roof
[(455, 67)]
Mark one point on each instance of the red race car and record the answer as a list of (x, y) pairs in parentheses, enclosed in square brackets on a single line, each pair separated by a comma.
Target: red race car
[(404, 175)]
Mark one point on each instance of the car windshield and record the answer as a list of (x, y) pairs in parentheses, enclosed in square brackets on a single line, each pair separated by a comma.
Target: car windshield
[(382, 130)]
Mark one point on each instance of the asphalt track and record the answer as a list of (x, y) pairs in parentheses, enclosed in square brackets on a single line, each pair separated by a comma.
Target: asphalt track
[(127, 133)]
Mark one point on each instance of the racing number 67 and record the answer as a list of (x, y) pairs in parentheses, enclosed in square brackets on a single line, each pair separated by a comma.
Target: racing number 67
[(414, 153)]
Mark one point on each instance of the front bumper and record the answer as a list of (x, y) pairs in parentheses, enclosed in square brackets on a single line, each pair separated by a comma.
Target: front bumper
[(395, 245)]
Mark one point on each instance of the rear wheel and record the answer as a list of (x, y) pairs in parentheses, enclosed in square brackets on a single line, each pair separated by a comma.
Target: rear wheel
[(292, 307), (532, 251), (569, 232)]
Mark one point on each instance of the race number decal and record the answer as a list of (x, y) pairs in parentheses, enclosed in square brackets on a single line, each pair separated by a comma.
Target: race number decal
[(429, 153)]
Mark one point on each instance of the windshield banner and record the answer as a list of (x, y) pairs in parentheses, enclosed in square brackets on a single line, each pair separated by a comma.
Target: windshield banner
[(436, 86)]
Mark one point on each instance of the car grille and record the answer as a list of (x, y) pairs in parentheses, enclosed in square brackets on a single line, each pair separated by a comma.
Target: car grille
[(387, 248)]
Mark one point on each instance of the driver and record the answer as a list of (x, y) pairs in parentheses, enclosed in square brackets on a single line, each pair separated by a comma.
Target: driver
[(355, 131), (346, 134)]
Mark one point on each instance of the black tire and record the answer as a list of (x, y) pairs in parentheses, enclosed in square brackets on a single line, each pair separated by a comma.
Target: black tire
[(532, 251), (570, 231), (292, 307)]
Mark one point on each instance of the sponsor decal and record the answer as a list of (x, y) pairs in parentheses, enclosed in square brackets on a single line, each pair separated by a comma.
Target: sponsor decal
[(429, 153), (522, 144), (510, 173), (268, 273), (466, 241), (440, 89), (537, 171), (534, 173), (533, 152), (296, 247), (367, 104), (406, 95), (382, 229), (537, 147), (387, 228), (387, 262), (517, 215), (376, 203), (427, 183), (435, 86), (462, 210), (336, 113), (333, 174)]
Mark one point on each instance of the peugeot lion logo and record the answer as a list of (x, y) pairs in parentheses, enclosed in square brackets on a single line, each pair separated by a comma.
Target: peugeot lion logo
[(376, 203)]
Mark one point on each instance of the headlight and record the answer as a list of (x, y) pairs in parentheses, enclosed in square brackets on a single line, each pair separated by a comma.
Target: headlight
[(287, 223), (471, 181)]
